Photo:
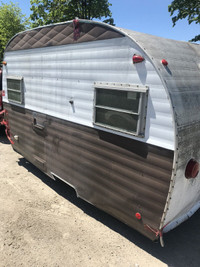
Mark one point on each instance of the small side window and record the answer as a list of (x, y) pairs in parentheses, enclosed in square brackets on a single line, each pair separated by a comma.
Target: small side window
[(121, 107), (15, 89)]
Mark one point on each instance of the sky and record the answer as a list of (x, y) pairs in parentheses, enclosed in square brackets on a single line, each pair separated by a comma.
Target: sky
[(147, 16)]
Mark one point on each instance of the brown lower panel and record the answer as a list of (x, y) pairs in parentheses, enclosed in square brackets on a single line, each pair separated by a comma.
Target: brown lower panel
[(119, 175)]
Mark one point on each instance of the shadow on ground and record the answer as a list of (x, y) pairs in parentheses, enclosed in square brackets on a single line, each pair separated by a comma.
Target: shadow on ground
[(182, 246), (3, 138)]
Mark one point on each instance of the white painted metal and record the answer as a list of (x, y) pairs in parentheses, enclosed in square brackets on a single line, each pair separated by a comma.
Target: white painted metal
[(181, 219), (55, 75)]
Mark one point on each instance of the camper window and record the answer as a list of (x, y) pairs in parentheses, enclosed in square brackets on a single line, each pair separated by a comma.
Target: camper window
[(15, 90), (120, 107)]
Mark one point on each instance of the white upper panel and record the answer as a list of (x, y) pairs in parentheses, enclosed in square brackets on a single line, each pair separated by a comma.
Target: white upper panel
[(55, 75)]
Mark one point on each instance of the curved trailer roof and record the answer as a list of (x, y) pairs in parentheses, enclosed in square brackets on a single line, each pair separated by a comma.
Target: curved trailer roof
[(181, 77)]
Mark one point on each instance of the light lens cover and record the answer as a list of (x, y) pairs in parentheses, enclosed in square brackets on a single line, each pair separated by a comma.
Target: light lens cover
[(192, 169)]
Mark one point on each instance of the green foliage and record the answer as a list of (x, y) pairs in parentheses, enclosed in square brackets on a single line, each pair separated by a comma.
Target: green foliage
[(12, 21), (52, 11), (189, 9)]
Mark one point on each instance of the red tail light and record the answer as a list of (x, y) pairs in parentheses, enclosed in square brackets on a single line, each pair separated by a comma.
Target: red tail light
[(192, 169)]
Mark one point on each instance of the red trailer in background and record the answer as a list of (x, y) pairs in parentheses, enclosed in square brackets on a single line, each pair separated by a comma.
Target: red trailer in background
[(1, 106), (4, 125)]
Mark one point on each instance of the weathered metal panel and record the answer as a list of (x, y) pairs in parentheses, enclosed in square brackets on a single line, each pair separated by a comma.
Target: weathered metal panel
[(118, 175), (186, 192), (55, 75), (181, 76), (182, 80)]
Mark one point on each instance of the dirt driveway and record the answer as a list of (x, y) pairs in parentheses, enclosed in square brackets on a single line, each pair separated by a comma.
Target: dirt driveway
[(43, 223)]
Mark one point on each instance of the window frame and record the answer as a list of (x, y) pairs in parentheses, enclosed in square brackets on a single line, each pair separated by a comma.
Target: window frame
[(142, 106), (21, 91)]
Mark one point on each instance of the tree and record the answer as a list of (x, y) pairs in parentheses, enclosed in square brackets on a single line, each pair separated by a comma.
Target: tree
[(52, 11), (189, 9), (12, 21)]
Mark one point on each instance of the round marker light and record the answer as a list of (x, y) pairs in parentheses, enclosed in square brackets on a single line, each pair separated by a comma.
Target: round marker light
[(138, 216), (164, 62), (192, 169)]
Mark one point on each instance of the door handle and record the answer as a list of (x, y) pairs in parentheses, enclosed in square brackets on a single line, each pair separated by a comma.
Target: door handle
[(37, 125)]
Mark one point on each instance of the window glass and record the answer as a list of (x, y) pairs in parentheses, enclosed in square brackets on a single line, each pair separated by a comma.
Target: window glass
[(14, 96), (14, 88), (127, 100), (121, 109), (14, 84), (118, 120)]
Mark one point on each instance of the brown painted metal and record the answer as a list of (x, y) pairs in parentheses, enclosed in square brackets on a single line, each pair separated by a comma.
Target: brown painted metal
[(61, 34), (116, 174)]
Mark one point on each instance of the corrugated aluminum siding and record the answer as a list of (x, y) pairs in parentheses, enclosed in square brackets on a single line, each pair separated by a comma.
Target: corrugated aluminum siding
[(119, 175), (54, 75)]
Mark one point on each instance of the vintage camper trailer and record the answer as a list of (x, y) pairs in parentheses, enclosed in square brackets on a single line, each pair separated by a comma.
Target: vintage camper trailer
[(113, 113)]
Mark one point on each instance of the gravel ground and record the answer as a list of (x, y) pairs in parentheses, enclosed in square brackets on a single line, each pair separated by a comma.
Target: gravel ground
[(43, 223)]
